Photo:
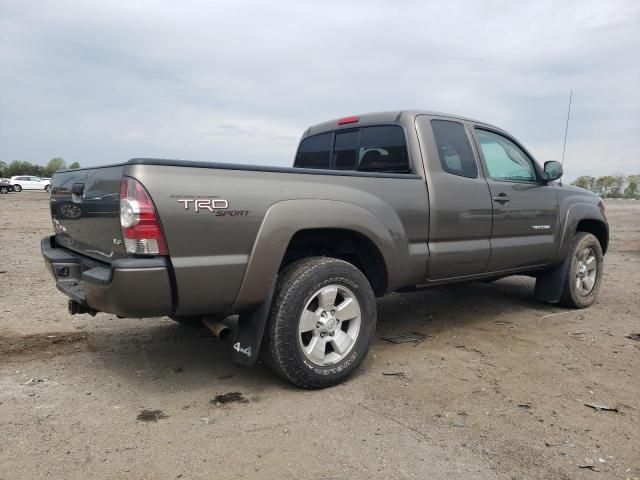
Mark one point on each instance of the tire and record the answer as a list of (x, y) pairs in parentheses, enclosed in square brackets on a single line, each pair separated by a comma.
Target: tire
[(4, 190), (17, 188), (47, 188), (308, 285), (585, 270)]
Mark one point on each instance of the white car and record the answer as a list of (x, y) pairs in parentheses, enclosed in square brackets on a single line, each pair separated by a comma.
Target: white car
[(27, 182)]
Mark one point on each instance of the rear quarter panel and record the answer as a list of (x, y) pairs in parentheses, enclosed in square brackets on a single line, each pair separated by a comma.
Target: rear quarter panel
[(210, 253)]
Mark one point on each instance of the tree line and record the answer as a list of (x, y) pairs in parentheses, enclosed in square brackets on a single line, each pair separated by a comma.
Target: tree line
[(20, 167), (611, 186)]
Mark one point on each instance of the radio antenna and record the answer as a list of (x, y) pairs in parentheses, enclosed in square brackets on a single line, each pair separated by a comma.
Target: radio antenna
[(566, 129)]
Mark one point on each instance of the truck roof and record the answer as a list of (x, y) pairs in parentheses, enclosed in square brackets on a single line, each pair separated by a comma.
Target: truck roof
[(383, 117)]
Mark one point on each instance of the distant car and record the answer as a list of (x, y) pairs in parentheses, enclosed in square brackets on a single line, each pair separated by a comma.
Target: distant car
[(26, 182), (5, 186)]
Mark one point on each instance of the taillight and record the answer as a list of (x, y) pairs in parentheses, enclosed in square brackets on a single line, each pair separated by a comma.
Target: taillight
[(141, 229)]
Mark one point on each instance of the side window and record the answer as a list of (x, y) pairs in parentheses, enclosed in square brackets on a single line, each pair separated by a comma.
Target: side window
[(345, 150), (454, 149), (504, 159), (314, 152), (383, 149)]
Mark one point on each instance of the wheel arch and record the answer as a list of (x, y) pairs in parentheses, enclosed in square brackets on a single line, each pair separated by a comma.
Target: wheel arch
[(598, 228), (583, 217), (285, 231), (345, 244)]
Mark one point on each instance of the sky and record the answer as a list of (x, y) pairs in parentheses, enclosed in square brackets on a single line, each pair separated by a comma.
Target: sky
[(101, 82)]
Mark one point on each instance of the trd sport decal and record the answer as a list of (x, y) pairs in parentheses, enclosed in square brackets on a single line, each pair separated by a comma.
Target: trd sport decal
[(218, 206)]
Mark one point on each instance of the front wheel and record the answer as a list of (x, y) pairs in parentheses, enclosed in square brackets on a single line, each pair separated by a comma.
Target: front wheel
[(584, 275), (321, 322), (17, 188)]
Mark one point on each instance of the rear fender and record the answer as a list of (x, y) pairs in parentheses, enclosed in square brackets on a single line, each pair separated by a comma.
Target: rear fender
[(286, 218)]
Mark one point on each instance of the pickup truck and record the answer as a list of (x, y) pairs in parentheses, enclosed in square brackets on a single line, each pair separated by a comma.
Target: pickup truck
[(373, 204)]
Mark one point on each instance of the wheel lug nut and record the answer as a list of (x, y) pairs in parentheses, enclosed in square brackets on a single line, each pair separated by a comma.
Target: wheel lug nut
[(322, 334), (331, 334), (333, 312), (323, 314), (318, 325)]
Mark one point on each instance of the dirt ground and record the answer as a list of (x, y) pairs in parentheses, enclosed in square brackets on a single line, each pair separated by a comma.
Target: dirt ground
[(497, 390)]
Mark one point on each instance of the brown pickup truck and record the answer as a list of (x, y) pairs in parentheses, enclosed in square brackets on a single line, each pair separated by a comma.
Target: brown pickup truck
[(373, 204)]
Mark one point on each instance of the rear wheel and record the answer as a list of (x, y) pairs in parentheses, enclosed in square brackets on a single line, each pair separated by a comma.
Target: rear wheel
[(47, 188), (4, 190), (321, 322), (584, 274), (17, 188)]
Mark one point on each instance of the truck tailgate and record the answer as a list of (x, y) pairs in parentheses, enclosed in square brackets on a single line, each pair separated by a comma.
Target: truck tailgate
[(85, 209)]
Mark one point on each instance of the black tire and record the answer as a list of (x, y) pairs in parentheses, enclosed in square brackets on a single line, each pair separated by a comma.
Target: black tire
[(298, 283), (17, 188), (194, 321), (572, 296), (47, 188), (4, 190)]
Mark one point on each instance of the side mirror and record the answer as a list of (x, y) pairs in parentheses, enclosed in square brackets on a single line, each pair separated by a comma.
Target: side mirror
[(552, 170)]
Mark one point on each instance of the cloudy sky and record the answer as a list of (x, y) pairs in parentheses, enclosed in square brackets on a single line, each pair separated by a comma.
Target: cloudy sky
[(100, 82)]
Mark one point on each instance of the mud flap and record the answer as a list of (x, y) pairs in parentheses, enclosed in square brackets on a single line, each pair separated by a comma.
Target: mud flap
[(550, 283), (251, 325)]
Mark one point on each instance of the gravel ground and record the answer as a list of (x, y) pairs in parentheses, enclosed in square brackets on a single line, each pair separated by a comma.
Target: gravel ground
[(497, 390)]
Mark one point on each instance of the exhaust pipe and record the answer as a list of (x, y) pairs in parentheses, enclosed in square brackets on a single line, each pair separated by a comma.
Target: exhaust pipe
[(218, 329)]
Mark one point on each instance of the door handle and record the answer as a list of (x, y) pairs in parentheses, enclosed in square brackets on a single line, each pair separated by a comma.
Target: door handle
[(502, 198)]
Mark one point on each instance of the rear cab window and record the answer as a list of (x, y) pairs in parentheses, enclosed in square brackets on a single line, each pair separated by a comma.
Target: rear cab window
[(315, 152), (379, 148)]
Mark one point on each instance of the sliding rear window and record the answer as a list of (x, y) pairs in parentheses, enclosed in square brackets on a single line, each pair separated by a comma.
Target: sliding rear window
[(367, 149)]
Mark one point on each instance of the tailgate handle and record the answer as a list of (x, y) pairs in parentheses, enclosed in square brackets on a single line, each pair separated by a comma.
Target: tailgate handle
[(77, 188)]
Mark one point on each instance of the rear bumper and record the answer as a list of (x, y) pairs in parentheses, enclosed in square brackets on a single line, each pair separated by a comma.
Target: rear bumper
[(128, 287)]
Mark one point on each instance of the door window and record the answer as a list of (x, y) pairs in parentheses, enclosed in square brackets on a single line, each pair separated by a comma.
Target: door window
[(454, 149), (504, 159)]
